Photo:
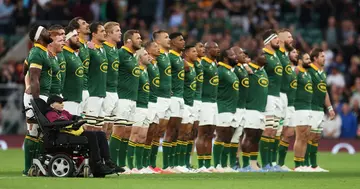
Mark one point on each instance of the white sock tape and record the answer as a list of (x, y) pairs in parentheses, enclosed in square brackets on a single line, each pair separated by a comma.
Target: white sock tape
[(70, 34), (38, 33), (271, 37)]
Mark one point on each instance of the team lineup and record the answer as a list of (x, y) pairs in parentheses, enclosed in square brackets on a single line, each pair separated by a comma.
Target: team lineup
[(187, 94)]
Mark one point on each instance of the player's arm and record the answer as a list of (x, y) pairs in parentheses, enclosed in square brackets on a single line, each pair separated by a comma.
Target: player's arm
[(329, 106), (35, 82), (25, 67)]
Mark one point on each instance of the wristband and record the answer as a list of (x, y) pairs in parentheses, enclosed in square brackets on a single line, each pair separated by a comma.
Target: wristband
[(330, 108)]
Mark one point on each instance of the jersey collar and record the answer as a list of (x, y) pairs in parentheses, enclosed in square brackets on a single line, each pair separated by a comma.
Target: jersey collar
[(109, 44), (282, 50), (153, 62), (38, 45), (254, 65), (127, 49), (301, 69), (190, 64), (174, 53), (224, 65), (314, 67), (268, 51), (162, 51), (198, 59), (69, 49), (98, 46), (240, 65), (82, 40), (208, 60), (142, 67)]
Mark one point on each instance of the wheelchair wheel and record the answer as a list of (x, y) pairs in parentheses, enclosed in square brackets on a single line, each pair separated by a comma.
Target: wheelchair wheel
[(33, 171), (61, 166), (86, 171)]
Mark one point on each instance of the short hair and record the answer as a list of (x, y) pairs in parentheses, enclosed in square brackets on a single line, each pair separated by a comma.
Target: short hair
[(75, 22), (315, 53), (141, 52), (69, 29), (128, 34), (267, 33), (94, 27), (156, 34), (175, 35), (188, 47), (32, 32), (148, 44), (55, 27), (109, 25), (282, 30)]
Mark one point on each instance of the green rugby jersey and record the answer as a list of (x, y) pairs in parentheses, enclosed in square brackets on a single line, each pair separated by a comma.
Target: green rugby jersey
[(62, 64), (287, 71), (291, 94), (319, 87), (129, 73), (97, 71), (243, 77), (304, 90), (85, 58), (274, 71), (74, 76), (199, 79), (56, 79), (190, 85), (228, 89), (164, 65), (113, 67), (211, 80), (177, 74), (154, 79), (39, 58), (258, 89), (144, 89)]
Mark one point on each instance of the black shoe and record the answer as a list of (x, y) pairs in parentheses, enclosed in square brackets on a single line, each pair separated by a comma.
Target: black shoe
[(101, 169), (112, 165)]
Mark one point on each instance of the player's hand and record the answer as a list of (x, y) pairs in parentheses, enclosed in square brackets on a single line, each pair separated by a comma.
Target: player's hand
[(28, 90), (249, 70), (91, 45), (331, 114)]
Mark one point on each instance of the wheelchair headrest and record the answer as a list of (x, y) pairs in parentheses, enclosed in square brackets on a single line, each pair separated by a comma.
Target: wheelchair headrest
[(40, 108)]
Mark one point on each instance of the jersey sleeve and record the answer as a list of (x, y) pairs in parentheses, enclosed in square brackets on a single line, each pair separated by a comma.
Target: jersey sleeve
[(35, 61)]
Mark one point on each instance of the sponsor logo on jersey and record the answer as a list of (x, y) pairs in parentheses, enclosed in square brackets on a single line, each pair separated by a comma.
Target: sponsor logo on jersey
[(288, 69), (115, 65), (62, 66), (308, 87), (79, 72), (181, 75), (264, 82), (146, 87), (193, 86), (136, 71), (104, 67), (322, 87), (245, 82), (168, 71), (278, 70), (200, 77), (156, 81), (235, 85), (214, 80), (293, 84)]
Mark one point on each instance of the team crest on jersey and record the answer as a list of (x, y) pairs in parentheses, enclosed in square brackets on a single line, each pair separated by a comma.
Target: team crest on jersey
[(200, 77), (168, 71), (308, 87), (115, 65), (181, 75), (79, 72), (58, 75), (156, 81), (235, 85), (264, 82), (146, 87), (86, 63), (136, 71), (193, 86), (288, 69), (322, 87), (50, 72), (62, 66), (214, 80), (278, 70), (293, 84), (104, 67), (245, 82)]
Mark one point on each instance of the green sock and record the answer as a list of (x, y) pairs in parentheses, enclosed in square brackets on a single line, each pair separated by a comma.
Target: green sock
[(130, 154), (166, 154), (114, 147), (182, 146), (233, 150), (188, 153), (207, 161), (139, 152), (153, 153), (275, 150), (146, 156), (254, 156), (283, 148), (30, 145), (308, 149), (172, 155), (246, 159), (217, 150), (298, 161), (264, 150), (201, 161), (271, 149), (177, 154), (313, 155), (225, 155)]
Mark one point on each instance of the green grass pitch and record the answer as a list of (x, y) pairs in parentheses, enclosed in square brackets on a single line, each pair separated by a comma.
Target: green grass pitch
[(345, 173)]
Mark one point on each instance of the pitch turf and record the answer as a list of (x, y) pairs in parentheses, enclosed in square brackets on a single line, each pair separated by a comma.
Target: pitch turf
[(345, 173)]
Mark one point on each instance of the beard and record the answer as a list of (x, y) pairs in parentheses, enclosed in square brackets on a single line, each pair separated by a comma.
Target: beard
[(74, 46), (305, 65), (275, 46), (232, 62), (288, 47)]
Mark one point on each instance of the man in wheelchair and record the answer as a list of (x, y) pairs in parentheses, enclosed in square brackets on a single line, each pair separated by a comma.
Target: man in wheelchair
[(97, 142)]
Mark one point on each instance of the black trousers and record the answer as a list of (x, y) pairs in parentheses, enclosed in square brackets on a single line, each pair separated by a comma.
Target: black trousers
[(98, 146)]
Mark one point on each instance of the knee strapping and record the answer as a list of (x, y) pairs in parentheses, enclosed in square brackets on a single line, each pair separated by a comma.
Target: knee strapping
[(269, 121)]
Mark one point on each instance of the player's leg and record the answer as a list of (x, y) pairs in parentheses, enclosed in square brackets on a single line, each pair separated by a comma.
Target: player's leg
[(302, 134), (163, 105), (288, 132), (133, 142), (147, 145), (209, 116), (226, 151), (265, 141), (139, 151), (184, 136), (234, 147)]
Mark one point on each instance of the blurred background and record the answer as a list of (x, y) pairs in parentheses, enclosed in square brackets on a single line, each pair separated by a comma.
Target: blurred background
[(330, 24)]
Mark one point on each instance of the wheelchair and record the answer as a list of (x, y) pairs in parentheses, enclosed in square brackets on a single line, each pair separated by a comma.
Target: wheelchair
[(62, 155)]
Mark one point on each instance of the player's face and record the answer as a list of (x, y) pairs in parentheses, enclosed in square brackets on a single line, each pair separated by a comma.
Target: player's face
[(241, 57), (275, 43), (200, 48), (289, 40), (74, 42), (84, 27), (232, 57), (321, 59), (115, 35), (146, 58), (306, 61), (214, 50), (179, 42), (154, 50), (58, 43), (101, 34), (294, 56), (57, 106), (45, 35), (59, 32), (136, 41), (192, 54), (164, 40)]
